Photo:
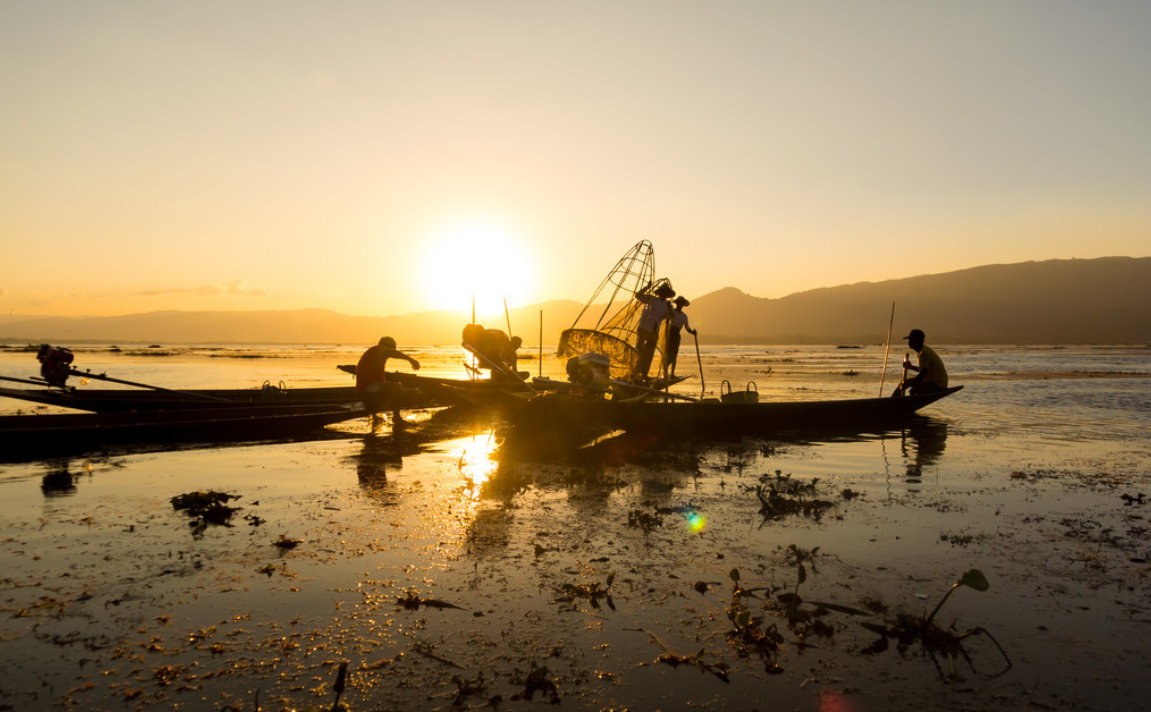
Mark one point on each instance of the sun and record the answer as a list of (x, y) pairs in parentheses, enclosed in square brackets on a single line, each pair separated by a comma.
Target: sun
[(477, 261)]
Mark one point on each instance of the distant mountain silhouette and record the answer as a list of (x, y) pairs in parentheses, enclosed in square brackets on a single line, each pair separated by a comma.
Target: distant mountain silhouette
[(1097, 301), (303, 326)]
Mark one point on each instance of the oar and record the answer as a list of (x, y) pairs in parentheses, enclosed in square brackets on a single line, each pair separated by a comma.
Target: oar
[(104, 377), (702, 386)]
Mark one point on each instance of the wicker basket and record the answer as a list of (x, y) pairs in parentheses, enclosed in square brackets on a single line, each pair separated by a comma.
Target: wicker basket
[(748, 395)]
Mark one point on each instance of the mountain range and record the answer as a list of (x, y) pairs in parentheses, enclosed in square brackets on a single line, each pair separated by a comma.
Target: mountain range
[(1089, 301)]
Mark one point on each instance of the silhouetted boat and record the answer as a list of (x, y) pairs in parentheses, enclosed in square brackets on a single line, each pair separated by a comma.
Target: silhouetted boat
[(46, 435), (559, 410), (109, 400), (449, 391)]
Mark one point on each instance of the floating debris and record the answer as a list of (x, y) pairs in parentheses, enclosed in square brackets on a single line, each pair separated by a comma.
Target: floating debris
[(206, 508)]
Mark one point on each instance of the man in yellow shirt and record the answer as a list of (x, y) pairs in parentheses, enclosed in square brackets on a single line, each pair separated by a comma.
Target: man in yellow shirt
[(931, 376)]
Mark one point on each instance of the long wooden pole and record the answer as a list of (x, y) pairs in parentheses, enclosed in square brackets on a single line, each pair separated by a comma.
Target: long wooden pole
[(887, 349), (541, 358), (499, 367), (702, 386), (103, 377)]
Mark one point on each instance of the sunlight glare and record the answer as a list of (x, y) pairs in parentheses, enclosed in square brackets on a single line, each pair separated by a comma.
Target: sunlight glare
[(480, 260)]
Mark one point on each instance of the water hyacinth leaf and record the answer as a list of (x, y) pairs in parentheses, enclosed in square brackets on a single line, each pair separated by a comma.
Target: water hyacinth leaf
[(976, 580), (734, 575), (802, 573)]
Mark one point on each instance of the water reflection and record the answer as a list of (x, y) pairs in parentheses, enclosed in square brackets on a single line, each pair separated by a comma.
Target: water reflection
[(384, 449), (922, 444), (59, 480)]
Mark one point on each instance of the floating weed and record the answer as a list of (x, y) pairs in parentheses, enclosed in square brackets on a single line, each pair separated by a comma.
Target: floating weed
[(206, 508), (749, 636), (539, 680), (646, 521), (468, 688), (780, 496), (909, 629), (804, 618), (286, 543), (412, 602), (593, 592), (668, 657)]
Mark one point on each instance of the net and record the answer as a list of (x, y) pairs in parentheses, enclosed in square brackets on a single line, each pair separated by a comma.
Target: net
[(608, 322)]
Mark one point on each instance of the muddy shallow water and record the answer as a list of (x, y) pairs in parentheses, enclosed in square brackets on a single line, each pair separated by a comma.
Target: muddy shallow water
[(452, 566)]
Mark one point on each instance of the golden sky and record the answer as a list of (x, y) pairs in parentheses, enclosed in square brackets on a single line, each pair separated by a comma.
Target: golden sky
[(378, 157)]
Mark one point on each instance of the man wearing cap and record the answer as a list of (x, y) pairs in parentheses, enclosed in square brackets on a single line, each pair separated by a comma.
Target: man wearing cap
[(931, 376), (370, 378), (677, 324)]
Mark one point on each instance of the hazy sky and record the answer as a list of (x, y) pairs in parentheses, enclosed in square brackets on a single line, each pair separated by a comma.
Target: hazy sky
[(379, 157)]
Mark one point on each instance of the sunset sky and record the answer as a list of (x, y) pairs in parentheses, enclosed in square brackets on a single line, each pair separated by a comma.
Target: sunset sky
[(378, 158)]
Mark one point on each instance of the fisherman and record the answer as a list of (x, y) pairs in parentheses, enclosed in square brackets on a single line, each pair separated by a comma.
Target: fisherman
[(510, 358), (656, 309), (371, 380), (677, 323), (496, 349), (931, 376)]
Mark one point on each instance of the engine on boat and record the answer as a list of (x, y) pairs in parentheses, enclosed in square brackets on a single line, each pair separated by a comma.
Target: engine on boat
[(55, 364), (590, 370)]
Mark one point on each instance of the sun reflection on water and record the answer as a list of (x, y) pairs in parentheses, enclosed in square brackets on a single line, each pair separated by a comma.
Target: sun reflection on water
[(475, 462)]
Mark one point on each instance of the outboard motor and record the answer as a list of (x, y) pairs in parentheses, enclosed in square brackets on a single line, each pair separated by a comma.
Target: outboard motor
[(590, 370), (55, 364)]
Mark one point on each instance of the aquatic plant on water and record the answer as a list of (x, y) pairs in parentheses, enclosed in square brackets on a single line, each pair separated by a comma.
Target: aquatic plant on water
[(909, 629)]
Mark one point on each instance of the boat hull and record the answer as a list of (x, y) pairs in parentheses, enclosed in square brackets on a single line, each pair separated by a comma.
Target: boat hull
[(22, 436), (120, 400), (557, 411)]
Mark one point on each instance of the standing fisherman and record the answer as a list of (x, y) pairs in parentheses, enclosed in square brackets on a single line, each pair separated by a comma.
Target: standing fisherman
[(677, 324), (656, 308)]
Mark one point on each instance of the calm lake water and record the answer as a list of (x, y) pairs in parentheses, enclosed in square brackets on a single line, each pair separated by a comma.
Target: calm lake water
[(449, 568)]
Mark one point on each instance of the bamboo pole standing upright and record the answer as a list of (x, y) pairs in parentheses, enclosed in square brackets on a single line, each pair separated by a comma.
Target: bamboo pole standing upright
[(887, 349)]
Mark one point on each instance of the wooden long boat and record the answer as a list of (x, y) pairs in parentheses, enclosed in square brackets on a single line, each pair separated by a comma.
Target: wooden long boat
[(111, 400), (115, 400), (561, 411), (46, 435)]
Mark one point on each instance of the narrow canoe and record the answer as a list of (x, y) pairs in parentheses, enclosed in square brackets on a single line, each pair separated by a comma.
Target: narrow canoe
[(47, 435), (559, 411)]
